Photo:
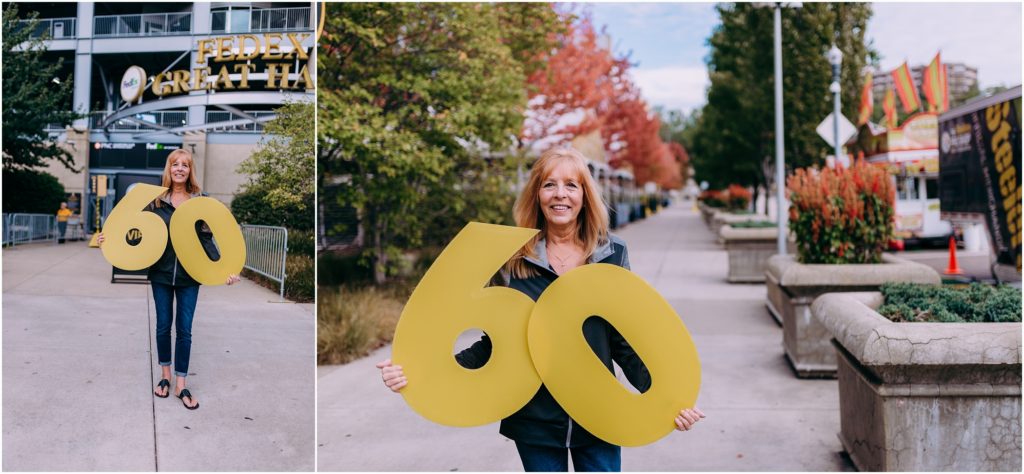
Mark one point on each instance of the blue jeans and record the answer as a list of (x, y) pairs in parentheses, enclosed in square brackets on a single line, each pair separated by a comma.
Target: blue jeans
[(163, 296), (598, 457)]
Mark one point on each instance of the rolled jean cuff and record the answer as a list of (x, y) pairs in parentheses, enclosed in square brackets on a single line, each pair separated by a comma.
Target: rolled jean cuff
[(180, 374), (165, 364)]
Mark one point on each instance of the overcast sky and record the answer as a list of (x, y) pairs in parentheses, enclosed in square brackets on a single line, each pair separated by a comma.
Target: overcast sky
[(669, 41)]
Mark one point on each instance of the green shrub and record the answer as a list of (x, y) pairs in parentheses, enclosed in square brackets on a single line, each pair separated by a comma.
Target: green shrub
[(353, 322), (753, 224), (31, 191), (302, 242), (251, 207), (299, 281), (842, 215), (932, 303), (334, 269)]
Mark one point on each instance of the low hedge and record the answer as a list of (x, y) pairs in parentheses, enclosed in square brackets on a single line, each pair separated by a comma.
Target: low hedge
[(910, 302)]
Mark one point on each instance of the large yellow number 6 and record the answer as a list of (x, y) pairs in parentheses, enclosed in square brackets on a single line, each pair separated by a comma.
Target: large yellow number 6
[(128, 215), (451, 299)]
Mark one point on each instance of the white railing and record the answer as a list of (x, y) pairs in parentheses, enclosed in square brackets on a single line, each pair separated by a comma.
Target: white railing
[(260, 20), (214, 116), (53, 28), (27, 228), (150, 24), (266, 249), (164, 118)]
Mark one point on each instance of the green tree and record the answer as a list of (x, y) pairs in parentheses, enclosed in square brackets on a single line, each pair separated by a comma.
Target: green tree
[(31, 191), (33, 97), (411, 97), (734, 136), (281, 170)]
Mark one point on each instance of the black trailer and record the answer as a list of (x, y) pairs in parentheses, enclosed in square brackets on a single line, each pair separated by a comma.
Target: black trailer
[(980, 173)]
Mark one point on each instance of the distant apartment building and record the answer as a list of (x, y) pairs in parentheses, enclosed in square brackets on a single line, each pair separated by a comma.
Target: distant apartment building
[(961, 79), (151, 77)]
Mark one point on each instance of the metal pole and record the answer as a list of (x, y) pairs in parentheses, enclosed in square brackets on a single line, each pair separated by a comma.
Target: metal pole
[(835, 115), (780, 172)]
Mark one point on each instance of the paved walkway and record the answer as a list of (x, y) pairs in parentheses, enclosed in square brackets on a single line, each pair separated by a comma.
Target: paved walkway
[(79, 366), (759, 416)]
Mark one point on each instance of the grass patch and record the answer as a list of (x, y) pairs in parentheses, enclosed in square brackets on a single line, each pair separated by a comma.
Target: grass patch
[(935, 303), (351, 322)]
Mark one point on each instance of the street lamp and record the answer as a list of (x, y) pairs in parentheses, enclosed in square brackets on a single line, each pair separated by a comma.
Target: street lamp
[(835, 58), (780, 166)]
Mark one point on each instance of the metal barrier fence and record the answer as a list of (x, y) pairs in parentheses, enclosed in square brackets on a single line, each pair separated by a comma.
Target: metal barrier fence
[(28, 228), (151, 24), (265, 250)]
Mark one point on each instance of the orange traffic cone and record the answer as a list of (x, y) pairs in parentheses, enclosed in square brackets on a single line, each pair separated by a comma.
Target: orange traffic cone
[(953, 268)]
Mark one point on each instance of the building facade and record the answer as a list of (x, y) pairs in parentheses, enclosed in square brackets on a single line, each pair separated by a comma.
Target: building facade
[(152, 77)]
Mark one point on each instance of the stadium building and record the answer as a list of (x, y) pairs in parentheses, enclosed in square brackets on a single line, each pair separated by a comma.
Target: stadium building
[(152, 77)]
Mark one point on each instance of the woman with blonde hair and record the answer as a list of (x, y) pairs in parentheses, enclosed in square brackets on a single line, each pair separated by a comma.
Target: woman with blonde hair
[(562, 201), (170, 281)]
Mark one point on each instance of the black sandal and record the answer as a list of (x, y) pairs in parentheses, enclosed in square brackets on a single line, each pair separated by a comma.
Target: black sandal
[(185, 393), (166, 385)]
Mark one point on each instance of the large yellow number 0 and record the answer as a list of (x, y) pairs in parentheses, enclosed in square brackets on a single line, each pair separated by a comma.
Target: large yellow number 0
[(541, 342), (451, 299), (190, 251), (583, 385), (128, 215)]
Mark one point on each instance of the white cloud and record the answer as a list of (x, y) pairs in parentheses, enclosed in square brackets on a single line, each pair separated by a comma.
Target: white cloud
[(983, 35), (674, 87)]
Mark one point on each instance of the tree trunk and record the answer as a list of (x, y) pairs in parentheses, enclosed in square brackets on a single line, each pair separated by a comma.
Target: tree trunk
[(380, 263)]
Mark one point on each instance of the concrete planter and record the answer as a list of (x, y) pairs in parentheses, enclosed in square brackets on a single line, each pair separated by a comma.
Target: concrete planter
[(723, 218), (749, 250), (707, 212), (793, 286), (924, 396)]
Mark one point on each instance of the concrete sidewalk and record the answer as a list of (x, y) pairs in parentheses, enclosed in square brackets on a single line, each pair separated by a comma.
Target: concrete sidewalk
[(760, 417), (79, 367)]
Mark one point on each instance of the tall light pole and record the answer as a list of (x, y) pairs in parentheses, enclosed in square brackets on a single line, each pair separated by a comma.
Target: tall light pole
[(835, 58), (780, 171)]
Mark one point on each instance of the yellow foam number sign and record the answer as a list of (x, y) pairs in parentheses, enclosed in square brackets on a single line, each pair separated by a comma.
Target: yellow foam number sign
[(190, 251), (583, 385), (128, 216), (450, 299), (125, 217), (542, 341)]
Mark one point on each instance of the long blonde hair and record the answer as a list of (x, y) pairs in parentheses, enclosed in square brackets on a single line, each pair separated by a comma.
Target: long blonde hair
[(191, 184), (591, 223)]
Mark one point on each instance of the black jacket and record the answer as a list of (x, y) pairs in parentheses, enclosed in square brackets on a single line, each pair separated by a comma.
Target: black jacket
[(168, 269), (543, 421)]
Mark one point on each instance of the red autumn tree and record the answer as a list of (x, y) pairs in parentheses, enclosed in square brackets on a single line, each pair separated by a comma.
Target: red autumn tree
[(564, 97)]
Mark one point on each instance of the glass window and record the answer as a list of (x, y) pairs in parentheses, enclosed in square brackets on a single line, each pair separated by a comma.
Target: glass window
[(906, 189), (239, 20)]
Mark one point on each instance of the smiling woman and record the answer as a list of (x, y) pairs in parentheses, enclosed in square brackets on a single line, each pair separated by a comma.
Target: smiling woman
[(561, 200)]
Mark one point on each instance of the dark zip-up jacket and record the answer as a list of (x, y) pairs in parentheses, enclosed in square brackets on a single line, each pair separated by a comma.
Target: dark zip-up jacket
[(168, 270), (542, 421)]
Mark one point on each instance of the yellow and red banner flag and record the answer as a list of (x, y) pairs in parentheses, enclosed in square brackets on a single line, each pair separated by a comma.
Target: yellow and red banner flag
[(867, 101), (889, 106), (934, 84), (906, 88)]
